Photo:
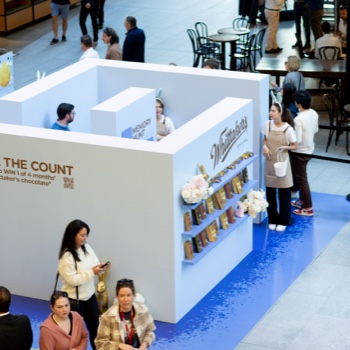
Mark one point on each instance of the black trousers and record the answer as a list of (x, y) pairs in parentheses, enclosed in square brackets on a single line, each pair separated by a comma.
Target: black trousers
[(88, 309), (101, 13), (301, 183), (281, 215), (93, 12)]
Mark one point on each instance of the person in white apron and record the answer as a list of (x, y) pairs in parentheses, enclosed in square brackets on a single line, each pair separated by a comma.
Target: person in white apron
[(279, 137), (165, 125)]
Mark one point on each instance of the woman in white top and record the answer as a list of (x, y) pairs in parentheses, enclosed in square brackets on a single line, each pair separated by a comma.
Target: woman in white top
[(165, 125), (279, 137), (77, 267)]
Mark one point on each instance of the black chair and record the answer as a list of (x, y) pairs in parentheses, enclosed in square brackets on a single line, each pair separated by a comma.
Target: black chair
[(329, 53), (238, 23), (200, 52), (257, 46), (246, 56), (202, 34), (336, 123)]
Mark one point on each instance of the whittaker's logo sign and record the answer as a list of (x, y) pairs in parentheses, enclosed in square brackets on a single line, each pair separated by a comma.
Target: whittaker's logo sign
[(227, 138)]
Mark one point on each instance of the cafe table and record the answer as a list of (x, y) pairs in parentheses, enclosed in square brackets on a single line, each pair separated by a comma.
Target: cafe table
[(223, 39), (235, 31), (309, 68)]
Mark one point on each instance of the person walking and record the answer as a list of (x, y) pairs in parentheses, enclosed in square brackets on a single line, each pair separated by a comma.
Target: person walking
[(134, 43), (111, 38), (89, 7), (59, 7), (272, 14), (316, 15), (302, 11)]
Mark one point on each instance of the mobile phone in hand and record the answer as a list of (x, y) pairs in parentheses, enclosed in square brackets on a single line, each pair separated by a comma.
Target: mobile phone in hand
[(104, 265)]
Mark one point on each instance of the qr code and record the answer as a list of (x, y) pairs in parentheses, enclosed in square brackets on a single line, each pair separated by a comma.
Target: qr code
[(68, 182)]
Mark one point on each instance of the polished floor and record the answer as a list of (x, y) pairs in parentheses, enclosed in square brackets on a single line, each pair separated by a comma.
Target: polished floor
[(298, 279), (292, 291)]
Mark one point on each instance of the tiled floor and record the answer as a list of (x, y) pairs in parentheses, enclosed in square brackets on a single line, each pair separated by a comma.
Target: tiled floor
[(314, 312), (228, 312)]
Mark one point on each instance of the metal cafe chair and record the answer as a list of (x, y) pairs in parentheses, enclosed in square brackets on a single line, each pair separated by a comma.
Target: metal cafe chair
[(336, 123), (246, 56), (329, 53), (238, 23), (202, 33), (256, 46), (200, 52)]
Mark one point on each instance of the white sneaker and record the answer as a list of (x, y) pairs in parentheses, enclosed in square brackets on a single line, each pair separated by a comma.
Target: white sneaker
[(280, 228), (272, 227), (294, 195)]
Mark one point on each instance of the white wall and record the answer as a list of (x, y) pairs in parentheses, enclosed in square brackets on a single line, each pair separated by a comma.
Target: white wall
[(126, 190), (130, 112)]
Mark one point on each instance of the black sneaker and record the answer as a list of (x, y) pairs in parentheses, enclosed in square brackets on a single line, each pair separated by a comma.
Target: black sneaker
[(272, 51), (54, 41), (64, 39)]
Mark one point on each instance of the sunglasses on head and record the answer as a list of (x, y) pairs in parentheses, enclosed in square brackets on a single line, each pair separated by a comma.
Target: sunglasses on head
[(125, 280), (58, 294)]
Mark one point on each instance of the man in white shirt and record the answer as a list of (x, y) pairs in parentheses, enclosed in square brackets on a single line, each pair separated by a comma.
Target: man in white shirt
[(86, 46), (328, 39), (306, 126)]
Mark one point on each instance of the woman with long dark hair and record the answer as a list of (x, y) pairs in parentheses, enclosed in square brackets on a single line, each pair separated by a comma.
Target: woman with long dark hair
[(279, 137), (77, 267)]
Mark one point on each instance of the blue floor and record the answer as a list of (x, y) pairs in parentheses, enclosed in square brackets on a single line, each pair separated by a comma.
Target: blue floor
[(226, 314)]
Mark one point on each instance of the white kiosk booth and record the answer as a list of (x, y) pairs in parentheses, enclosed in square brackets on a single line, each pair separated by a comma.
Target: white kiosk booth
[(126, 189)]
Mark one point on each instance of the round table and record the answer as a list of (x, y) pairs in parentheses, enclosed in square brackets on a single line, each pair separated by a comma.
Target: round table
[(223, 39), (231, 30)]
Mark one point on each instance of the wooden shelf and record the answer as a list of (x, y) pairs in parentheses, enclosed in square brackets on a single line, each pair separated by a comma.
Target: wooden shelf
[(211, 217), (196, 229), (211, 245)]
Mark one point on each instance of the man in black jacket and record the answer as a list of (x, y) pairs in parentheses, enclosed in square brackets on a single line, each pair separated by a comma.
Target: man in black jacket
[(15, 330), (134, 43)]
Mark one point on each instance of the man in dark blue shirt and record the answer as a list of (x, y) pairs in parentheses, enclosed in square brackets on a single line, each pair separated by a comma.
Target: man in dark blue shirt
[(134, 43)]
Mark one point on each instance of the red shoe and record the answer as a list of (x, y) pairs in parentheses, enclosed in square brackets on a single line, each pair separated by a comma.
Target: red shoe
[(298, 203), (304, 212)]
